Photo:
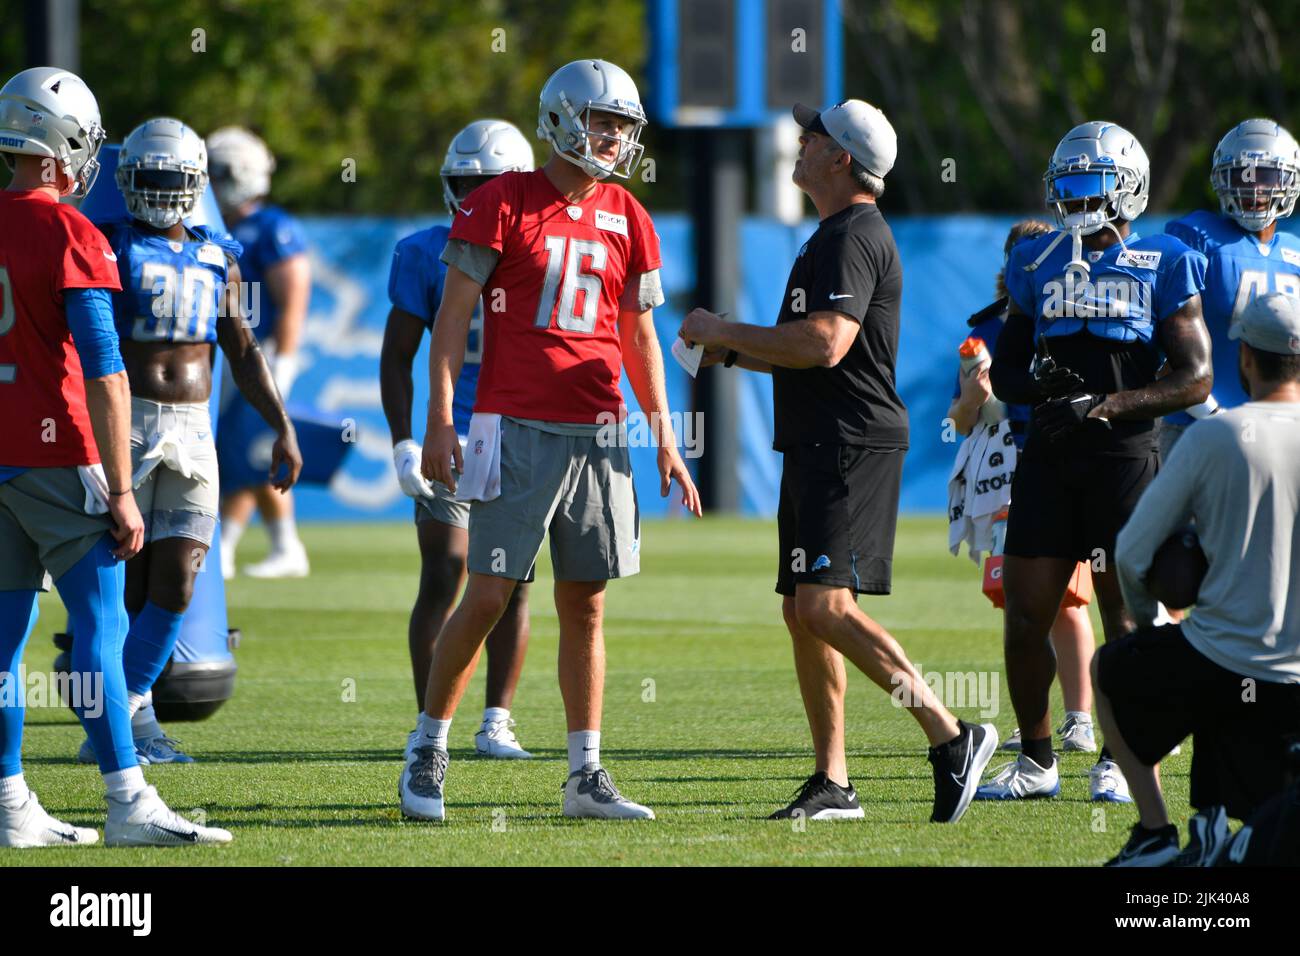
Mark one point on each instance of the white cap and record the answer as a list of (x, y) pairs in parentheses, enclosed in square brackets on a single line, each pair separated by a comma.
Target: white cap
[(1271, 323), (859, 128)]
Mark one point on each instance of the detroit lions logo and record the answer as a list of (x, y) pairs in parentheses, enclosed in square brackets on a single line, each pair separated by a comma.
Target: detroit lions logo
[(822, 563)]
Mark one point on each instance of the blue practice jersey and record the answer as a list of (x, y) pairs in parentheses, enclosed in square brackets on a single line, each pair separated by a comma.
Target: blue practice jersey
[(268, 235), (987, 325), (171, 289), (1240, 268), (1105, 325), (415, 285)]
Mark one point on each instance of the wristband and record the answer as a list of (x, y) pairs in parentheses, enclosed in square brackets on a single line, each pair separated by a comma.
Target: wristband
[(118, 494), (730, 360)]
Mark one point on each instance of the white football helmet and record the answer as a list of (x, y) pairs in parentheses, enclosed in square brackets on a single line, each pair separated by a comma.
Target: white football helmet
[(483, 149), (564, 113), (162, 171), (1256, 164), (1099, 173), (240, 166), (47, 111)]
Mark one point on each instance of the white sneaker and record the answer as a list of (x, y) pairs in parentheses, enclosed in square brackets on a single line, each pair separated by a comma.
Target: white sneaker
[(30, 826), (147, 821), (1012, 742), (496, 738), (590, 793), (1077, 735), (1178, 748), (1022, 779), (420, 787), (289, 563), (1106, 783)]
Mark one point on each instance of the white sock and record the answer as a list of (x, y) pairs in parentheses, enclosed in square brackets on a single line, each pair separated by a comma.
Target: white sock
[(434, 731), (123, 785), (135, 702), (231, 532), (1080, 715), (493, 714), (144, 722), (584, 749), (13, 791), (284, 534)]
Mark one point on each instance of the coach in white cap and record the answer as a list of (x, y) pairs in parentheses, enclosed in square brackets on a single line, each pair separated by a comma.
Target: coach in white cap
[(1230, 673), (843, 433)]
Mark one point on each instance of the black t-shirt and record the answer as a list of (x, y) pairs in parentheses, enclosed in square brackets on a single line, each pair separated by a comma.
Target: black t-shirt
[(849, 265)]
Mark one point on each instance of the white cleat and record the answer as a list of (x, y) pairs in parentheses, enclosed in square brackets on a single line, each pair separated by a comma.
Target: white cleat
[(290, 563), (1077, 735), (1022, 779), (420, 786), (1106, 784), (147, 821), (31, 826), (227, 563), (590, 793), (496, 738)]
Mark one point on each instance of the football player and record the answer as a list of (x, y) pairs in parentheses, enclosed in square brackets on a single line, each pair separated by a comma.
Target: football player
[(482, 150), (567, 266), (274, 266), (66, 505), (1093, 306), (1256, 174), (179, 299)]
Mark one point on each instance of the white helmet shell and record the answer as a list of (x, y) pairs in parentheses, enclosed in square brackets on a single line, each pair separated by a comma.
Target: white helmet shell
[(240, 166), (162, 171), (486, 147), (563, 115), (1254, 145), (47, 111), (1103, 161)]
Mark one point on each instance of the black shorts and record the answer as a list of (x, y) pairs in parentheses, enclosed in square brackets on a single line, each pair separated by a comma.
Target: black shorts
[(837, 517), (1067, 505), (1162, 689)]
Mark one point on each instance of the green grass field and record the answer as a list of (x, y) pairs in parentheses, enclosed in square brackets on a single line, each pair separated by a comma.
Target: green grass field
[(305, 777)]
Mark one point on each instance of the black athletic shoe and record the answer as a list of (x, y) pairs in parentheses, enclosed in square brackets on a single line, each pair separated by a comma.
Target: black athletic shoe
[(1148, 847), (1207, 836), (958, 766), (820, 798)]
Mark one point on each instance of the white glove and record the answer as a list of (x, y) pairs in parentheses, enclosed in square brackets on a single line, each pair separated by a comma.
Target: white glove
[(406, 459), (284, 370)]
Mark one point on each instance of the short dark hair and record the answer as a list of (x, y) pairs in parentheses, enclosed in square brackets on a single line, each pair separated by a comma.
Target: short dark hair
[(1274, 367)]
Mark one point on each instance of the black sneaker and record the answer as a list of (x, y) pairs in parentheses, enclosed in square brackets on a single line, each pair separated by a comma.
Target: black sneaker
[(958, 766), (1148, 847), (820, 798), (1208, 836)]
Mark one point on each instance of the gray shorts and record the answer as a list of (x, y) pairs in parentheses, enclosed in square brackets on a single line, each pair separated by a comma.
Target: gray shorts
[(567, 485), (44, 527), (1167, 436), (442, 507), (172, 505)]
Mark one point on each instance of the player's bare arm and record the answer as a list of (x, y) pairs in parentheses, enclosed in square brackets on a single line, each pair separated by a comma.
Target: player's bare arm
[(253, 377), (819, 341), (289, 284), (1186, 342), (403, 333), (108, 401), (460, 294), (644, 362)]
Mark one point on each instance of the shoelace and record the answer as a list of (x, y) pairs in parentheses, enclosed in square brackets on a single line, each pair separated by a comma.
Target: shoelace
[(428, 771), (808, 788), (171, 743), (604, 785), (1070, 724), (503, 730)]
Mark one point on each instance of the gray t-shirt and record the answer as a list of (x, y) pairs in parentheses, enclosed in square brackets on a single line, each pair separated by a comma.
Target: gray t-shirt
[(1238, 475)]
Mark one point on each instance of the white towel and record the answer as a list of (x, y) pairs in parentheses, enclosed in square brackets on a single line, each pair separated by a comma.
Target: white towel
[(167, 447), (482, 478), (979, 487), (95, 482)]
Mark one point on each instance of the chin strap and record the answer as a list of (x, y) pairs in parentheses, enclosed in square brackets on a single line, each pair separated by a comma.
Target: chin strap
[(1077, 260)]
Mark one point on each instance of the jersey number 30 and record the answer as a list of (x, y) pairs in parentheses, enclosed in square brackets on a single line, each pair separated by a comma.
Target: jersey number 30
[(563, 279)]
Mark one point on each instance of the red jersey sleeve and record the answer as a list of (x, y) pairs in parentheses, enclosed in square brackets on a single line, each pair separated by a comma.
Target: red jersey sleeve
[(485, 214), (644, 254), (87, 260)]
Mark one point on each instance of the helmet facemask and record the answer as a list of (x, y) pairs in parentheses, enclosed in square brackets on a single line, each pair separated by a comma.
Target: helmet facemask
[(1256, 192), (575, 144), (455, 188), (161, 193)]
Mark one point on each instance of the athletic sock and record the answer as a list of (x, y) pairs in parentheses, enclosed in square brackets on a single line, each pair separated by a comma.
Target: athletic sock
[(1039, 750), (123, 785), (433, 731), (584, 749), (284, 534), (231, 532), (493, 714), (149, 644), (13, 791)]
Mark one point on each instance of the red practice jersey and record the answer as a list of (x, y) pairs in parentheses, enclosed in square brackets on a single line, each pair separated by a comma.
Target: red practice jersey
[(45, 247), (551, 348)]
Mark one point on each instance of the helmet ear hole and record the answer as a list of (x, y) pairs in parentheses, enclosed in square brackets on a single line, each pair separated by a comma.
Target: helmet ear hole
[(555, 120)]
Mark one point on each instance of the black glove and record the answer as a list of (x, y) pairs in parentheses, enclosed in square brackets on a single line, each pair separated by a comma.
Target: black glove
[(1056, 381), (1058, 417)]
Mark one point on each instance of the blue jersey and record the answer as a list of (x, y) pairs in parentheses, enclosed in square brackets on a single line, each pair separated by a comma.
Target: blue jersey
[(415, 285), (1105, 325), (268, 235), (986, 325), (172, 290), (1240, 268)]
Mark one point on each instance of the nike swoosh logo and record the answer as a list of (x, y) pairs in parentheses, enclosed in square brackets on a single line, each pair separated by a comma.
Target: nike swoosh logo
[(961, 781), (65, 837), (111, 257), (190, 836), (468, 212), (842, 295)]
